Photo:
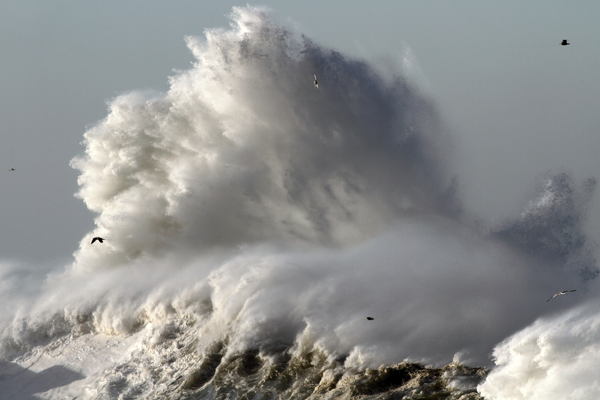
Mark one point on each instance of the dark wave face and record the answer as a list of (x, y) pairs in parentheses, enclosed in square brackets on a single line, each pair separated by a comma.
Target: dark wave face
[(262, 218)]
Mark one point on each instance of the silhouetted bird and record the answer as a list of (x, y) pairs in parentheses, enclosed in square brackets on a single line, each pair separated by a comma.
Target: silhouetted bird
[(316, 83), (98, 238), (369, 318), (560, 293), (11, 169), (564, 43)]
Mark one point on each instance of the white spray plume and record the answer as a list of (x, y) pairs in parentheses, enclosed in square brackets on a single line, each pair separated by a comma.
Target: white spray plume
[(242, 150)]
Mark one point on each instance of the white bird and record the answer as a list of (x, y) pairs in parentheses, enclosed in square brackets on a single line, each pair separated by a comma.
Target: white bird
[(560, 293), (316, 83)]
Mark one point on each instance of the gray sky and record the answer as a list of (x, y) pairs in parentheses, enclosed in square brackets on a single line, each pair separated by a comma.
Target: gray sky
[(517, 103)]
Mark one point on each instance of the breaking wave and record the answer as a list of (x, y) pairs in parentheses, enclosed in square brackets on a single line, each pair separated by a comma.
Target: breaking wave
[(251, 218)]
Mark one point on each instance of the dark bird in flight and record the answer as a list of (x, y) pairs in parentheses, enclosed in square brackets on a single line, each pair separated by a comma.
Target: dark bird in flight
[(98, 238), (11, 169), (316, 83), (560, 293), (369, 318), (564, 43)]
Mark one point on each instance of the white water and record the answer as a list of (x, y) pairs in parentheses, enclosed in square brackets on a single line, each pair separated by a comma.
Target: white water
[(282, 215), (555, 358)]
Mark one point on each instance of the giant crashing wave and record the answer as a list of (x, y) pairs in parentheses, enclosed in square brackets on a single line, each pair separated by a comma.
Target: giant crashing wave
[(252, 221)]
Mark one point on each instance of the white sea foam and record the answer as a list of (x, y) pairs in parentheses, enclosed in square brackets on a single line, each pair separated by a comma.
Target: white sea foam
[(555, 358)]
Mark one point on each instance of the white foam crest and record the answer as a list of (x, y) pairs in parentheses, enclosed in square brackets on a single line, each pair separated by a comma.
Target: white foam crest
[(554, 358)]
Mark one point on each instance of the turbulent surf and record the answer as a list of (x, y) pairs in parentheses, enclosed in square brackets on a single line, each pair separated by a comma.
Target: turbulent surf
[(252, 222)]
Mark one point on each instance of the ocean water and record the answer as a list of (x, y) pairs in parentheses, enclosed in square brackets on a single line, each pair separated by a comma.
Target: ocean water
[(253, 221)]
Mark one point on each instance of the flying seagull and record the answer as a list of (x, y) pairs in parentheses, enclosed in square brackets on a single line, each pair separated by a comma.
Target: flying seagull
[(564, 43), (11, 169), (369, 318), (98, 238), (560, 293), (316, 83)]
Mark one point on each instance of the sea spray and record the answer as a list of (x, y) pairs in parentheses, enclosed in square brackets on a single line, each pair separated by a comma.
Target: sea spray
[(252, 220), (243, 150)]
